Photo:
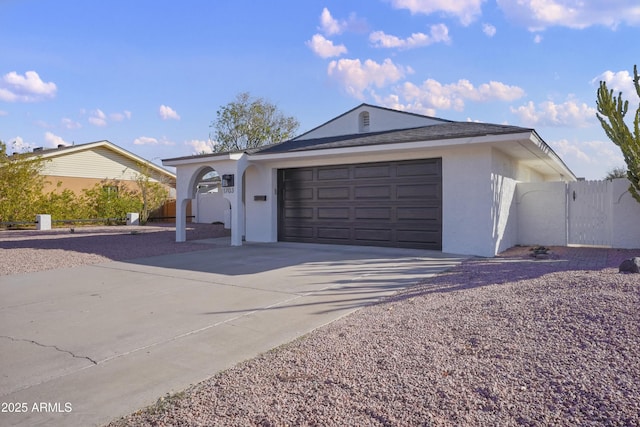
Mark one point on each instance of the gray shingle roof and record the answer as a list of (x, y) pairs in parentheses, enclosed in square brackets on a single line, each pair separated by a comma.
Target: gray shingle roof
[(447, 130)]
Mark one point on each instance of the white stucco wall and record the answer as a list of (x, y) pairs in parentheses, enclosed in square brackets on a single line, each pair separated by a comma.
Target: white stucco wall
[(504, 216), (261, 216), (466, 201), (542, 216), (625, 217)]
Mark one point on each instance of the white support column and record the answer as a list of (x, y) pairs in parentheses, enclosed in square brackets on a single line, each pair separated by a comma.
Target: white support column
[(181, 220), (237, 214)]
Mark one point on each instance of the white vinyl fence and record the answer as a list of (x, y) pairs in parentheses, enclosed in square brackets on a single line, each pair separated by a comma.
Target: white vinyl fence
[(592, 213)]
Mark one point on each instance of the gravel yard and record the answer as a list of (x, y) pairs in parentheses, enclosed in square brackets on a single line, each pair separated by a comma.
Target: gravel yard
[(506, 341), (24, 251), (510, 341)]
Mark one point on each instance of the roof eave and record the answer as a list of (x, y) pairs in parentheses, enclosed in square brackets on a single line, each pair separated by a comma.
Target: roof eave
[(188, 160), (561, 166), (398, 146)]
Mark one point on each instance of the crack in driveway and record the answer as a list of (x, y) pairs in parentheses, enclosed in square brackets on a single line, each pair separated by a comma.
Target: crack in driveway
[(55, 347)]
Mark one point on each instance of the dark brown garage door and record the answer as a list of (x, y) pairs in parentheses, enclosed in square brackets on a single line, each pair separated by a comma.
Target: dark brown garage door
[(395, 204)]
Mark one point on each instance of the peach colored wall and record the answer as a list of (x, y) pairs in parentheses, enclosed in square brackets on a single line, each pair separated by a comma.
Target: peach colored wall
[(77, 184)]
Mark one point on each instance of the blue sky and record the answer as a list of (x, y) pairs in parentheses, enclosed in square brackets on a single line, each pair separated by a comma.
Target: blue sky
[(150, 75)]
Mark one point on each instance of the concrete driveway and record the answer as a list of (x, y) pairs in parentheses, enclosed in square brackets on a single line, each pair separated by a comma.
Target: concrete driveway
[(85, 345)]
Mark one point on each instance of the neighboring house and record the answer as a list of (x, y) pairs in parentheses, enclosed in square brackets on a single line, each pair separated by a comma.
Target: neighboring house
[(78, 167), (376, 176)]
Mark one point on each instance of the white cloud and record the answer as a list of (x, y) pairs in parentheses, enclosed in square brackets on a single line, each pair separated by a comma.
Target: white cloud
[(393, 101), (70, 124), (101, 119), (199, 146), (606, 152), (432, 95), (28, 88), (569, 113), (621, 81), (537, 39), (489, 30), (603, 153), (541, 14), (564, 148), (439, 34), (466, 10), (118, 117), (168, 113), (488, 91), (325, 48), (54, 140), (3, 113), (331, 26), (356, 77), (147, 140), (98, 118)]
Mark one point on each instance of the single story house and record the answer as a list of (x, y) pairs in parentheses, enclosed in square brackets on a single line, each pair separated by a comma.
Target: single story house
[(382, 177), (81, 166)]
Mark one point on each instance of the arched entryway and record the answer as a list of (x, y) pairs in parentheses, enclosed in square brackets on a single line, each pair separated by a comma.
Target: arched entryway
[(209, 205), (211, 183)]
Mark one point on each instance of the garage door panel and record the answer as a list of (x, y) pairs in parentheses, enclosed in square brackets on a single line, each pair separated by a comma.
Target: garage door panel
[(372, 192), (372, 235), (333, 173), (372, 171), (416, 191), (333, 193), (382, 204), (417, 236), (334, 233), (298, 175), (333, 213), (300, 232), (418, 213), (373, 213), (299, 213), (294, 194)]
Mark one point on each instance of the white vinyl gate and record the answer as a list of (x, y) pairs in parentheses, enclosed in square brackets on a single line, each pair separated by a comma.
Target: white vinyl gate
[(590, 213)]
